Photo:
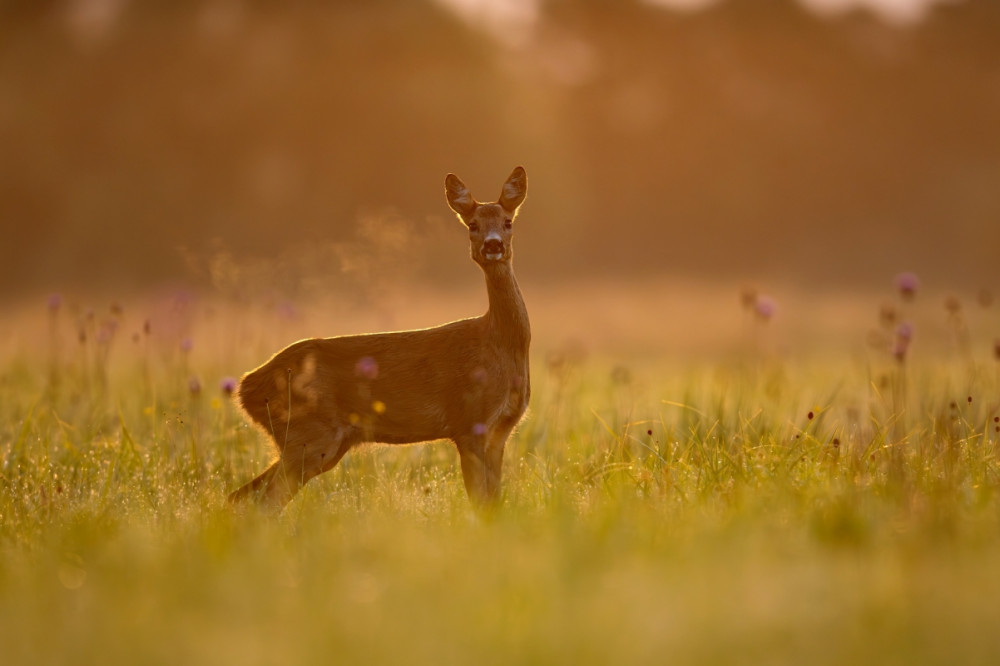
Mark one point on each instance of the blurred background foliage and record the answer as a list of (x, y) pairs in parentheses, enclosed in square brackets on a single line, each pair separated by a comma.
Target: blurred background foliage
[(219, 141)]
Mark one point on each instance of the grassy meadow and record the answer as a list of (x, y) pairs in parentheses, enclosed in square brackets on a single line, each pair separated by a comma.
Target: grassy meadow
[(697, 481)]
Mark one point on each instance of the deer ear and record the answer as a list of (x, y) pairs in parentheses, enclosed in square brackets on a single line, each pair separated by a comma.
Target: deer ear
[(514, 190), (459, 197)]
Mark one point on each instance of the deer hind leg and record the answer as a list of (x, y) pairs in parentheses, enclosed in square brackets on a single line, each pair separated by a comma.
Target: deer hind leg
[(310, 448)]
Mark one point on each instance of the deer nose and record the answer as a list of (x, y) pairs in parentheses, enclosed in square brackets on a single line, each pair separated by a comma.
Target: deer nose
[(493, 246)]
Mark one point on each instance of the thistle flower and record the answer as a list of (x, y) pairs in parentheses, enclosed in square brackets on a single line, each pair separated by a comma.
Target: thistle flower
[(479, 375), (904, 335), (479, 429), (286, 310), (54, 303), (187, 344), (194, 386), (366, 368), (765, 308), (228, 385), (907, 283), (107, 332)]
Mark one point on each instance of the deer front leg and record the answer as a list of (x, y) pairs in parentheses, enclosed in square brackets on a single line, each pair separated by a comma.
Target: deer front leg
[(496, 441), (482, 465), (472, 454)]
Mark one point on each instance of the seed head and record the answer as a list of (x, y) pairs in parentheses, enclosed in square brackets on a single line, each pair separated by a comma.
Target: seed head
[(887, 315), (621, 375)]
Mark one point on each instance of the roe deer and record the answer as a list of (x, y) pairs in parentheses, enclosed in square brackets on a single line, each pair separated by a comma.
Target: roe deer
[(466, 381)]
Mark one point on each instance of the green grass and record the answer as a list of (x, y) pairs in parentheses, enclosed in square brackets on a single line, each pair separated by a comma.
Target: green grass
[(654, 515)]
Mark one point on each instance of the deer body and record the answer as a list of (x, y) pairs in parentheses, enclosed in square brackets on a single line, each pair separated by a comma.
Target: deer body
[(467, 381)]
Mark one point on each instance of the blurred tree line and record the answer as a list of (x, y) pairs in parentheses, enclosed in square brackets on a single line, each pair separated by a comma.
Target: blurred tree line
[(750, 139)]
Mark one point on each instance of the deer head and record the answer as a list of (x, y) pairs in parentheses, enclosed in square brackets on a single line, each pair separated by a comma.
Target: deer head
[(490, 225)]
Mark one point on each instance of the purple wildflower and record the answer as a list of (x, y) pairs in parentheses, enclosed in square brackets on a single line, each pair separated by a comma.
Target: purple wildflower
[(907, 283), (186, 345), (107, 332), (366, 368), (194, 385), (765, 307), (286, 310), (904, 335), (479, 429), (54, 302), (228, 385)]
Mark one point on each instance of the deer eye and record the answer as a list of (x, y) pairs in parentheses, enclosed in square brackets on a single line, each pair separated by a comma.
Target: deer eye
[(473, 226), (506, 223)]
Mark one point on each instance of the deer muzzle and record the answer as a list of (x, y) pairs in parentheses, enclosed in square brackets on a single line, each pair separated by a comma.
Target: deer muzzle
[(493, 247)]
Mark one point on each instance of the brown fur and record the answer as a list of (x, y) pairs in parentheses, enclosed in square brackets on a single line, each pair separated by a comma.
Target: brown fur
[(466, 381)]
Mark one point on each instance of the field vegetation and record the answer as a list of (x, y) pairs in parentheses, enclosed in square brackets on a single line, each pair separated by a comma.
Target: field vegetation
[(774, 501)]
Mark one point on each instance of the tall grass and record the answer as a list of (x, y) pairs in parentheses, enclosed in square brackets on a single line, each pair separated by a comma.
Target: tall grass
[(750, 511)]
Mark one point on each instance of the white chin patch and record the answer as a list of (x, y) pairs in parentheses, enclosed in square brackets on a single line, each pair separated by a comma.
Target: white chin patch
[(494, 256)]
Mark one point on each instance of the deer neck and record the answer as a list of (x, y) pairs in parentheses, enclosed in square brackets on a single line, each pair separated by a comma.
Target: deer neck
[(507, 318)]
